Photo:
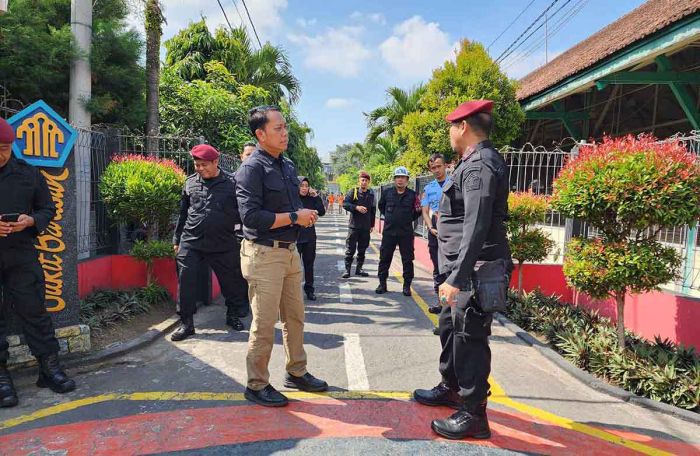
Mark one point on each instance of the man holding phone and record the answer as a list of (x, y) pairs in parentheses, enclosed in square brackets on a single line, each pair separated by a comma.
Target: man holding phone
[(26, 209)]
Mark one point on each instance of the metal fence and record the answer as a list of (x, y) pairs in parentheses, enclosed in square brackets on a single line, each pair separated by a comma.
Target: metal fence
[(535, 169), (94, 149)]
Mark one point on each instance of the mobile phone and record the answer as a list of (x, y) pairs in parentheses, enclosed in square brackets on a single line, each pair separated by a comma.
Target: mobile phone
[(9, 217)]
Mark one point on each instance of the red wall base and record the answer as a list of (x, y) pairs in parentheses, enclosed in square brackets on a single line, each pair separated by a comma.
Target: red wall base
[(121, 272), (651, 314)]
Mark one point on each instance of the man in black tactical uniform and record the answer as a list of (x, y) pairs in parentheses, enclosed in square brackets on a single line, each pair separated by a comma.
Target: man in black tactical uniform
[(471, 228), (361, 205), (26, 209), (205, 235), (400, 207)]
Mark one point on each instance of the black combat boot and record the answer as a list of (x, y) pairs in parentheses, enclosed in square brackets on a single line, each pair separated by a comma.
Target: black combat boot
[(52, 376), (442, 394), (310, 295), (407, 289), (185, 330), (359, 271), (8, 395), (467, 422), (381, 289)]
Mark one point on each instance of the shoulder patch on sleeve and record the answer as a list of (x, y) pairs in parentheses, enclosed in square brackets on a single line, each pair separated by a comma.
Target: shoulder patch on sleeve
[(472, 181)]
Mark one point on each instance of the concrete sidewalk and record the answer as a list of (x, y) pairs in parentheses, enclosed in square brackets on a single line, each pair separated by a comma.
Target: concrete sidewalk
[(373, 350)]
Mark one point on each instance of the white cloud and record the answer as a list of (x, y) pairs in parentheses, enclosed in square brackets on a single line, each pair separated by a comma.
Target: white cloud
[(338, 50), (339, 103), (304, 23), (417, 47), (377, 18)]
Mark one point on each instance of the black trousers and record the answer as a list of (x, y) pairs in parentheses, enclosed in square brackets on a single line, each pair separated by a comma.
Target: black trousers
[(465, 361), (307, 251), (386, 254), (22, 286), (227, 267), (433, 249), (357, 240)]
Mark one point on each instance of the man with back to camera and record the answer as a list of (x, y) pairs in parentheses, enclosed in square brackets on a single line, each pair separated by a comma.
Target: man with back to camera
[(26, 209), (400, 207), (205, 235), (272, 213), (471, 228), (430, 207), (361, 205)]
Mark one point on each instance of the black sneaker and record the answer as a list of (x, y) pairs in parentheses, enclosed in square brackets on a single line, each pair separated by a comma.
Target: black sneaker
[(407, 291), (346, 275), (435, 309), (267, 397), (361, 273), (306, 382)]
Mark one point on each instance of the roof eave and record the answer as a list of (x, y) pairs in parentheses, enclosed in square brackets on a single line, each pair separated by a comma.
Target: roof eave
[(662, 42)]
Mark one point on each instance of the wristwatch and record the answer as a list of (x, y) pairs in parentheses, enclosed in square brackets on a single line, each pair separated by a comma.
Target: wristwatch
[(293, 216)]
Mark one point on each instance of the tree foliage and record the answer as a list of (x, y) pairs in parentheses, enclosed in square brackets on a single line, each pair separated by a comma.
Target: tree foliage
[(384, 120), (472, 76), (629, 189), (36, 53)]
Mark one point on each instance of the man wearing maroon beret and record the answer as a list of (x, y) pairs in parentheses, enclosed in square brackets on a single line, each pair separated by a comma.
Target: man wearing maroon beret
[(471, 228), (26, 209), (205, 235)]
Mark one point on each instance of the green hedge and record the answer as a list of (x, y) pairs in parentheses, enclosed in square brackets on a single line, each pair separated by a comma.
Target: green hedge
[(659, 370)]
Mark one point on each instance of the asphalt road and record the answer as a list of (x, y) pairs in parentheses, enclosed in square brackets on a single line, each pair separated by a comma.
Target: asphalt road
[(186, 398)]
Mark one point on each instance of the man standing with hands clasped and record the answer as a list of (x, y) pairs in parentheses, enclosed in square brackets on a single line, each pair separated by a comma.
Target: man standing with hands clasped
[(360, 203), (471, 228), (272, 213)]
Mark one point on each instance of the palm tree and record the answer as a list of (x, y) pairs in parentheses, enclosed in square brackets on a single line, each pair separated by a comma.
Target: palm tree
[(383, 121), (154, 31), (268, 68)]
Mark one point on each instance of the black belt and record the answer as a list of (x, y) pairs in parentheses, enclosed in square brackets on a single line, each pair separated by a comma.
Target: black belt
[(277, 244)]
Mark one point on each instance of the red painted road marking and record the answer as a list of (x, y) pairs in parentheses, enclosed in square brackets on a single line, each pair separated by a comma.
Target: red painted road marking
[(323, 418)]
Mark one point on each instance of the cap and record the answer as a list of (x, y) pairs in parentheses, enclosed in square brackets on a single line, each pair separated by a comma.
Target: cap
[(7, 133), (468, 108), (365, 174), (204, 152), (401, 171)]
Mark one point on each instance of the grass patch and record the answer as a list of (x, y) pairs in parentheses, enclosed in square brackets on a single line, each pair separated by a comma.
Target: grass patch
[(107, 308)]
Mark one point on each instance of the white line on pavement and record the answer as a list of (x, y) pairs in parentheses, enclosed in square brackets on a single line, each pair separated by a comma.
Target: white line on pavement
[(341, 265), (339, 251), (355, 363), (345, 292)]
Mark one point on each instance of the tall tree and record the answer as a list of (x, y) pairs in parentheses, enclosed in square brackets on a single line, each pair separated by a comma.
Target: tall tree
[(384, 119), (268, 68), (154, 32), (36, 52)]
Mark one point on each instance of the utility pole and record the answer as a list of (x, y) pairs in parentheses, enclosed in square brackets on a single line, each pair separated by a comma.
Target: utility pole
[(79, 116), (546, 39)]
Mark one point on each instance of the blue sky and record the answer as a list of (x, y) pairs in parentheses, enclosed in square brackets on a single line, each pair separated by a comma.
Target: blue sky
[(346, 53)]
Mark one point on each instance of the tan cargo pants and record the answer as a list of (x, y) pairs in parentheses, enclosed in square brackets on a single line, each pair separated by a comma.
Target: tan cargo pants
[(274, 287)]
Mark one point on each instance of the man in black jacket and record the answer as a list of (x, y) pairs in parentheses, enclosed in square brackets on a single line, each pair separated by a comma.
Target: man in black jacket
[(471, 228), (205, 234), (26, 209), (361, 205), (306, 243), (400, 207)]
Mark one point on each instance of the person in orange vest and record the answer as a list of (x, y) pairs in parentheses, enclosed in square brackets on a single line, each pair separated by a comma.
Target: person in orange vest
[(331, 200), (340, 203)]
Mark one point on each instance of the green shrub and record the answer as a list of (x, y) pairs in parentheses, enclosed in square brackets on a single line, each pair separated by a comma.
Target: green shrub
[(527, 244), (142, 190), (660, 370), (629, 189), (107, 308), (147, 251)]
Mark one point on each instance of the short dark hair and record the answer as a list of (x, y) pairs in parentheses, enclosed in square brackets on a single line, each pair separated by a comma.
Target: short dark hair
[(481, 122), (436, 156), (249, 144), (257, 117)]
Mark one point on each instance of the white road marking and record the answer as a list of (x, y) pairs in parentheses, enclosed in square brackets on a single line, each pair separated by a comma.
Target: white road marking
[(345, 292), (339, 251), (341, 265), (355, 363)]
